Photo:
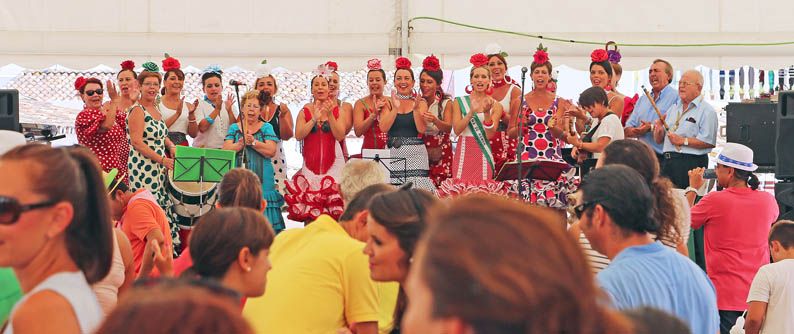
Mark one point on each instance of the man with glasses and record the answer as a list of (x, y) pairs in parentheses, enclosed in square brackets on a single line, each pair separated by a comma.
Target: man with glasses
[(643, 272), (692, 123), (640, 123)]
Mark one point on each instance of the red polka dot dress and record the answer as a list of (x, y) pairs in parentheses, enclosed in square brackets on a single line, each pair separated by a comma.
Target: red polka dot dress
[(110, 147), (539, 143)]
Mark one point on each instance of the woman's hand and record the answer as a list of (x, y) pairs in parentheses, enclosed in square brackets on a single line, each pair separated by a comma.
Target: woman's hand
[(249, 139), (229, 102), (179, 107), (429, 117), (113, 93), (191, 108), (168, 163), (218, 101), (576, 111), (380, 103)]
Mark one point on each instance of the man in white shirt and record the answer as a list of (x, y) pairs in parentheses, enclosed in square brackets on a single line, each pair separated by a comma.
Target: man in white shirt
[(771, 297)]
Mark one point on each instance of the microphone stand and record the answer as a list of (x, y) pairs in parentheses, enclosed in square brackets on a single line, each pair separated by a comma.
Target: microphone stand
[(242, 121), (520, 131)]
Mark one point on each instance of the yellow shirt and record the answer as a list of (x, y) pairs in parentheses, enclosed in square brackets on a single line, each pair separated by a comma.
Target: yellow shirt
[(319, 283), (387, 299)]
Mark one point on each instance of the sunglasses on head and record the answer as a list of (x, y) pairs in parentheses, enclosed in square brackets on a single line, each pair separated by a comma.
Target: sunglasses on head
[(97, 91), (11, 209), (581, 208)]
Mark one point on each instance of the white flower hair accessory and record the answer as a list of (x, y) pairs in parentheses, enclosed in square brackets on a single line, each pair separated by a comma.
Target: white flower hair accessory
[(323, 71), (494, 49), (263, 70)]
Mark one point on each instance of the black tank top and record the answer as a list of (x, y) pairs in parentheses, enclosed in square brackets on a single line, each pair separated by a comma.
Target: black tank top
[(274, 121), (404, 126)]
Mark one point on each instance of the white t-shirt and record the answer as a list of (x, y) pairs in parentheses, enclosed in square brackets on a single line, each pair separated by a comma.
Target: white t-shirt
[(217, 131), (774, 285), (180, 125), (610, 127)]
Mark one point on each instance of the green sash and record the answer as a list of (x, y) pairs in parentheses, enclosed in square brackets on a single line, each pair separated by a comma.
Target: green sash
[(475, 125)]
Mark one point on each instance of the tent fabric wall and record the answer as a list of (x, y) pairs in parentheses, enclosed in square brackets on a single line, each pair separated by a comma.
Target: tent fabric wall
[(299, 34)]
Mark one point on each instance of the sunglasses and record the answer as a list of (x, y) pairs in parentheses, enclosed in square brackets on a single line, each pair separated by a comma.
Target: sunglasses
[(11, 209), (581, 208), (97, 91)]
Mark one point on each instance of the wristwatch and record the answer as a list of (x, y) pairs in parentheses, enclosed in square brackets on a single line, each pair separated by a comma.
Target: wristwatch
[(686, 141)]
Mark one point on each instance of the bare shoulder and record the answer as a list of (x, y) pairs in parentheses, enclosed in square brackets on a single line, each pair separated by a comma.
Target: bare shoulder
[(61, 316)]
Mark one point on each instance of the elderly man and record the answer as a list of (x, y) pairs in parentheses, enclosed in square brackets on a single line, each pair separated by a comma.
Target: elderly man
[(693, 131), (640, 123)]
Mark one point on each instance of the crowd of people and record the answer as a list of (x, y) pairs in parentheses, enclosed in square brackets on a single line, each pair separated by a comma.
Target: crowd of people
[(91, 236)]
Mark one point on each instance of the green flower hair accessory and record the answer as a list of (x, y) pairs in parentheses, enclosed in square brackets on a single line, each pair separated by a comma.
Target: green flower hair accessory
[(151, 67)]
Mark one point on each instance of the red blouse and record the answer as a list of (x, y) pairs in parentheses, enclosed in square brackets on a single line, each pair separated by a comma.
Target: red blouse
[(111, 147), (319, 148)]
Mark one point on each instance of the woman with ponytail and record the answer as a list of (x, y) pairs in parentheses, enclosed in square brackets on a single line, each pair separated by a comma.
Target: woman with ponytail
[(55, 232), (439, 121), (736, 223), (260, 144), (231, 246)]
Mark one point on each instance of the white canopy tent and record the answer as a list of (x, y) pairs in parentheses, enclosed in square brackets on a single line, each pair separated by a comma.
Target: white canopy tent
[(299, 34)]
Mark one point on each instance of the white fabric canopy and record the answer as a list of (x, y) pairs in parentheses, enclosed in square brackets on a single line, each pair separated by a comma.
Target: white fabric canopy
[(299, 34)]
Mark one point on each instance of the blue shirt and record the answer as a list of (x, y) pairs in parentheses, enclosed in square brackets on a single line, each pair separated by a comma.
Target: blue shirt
[(643, 111), (699, 122), (655, 275)]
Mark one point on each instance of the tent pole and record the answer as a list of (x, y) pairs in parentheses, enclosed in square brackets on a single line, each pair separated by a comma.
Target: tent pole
[(404, 51)]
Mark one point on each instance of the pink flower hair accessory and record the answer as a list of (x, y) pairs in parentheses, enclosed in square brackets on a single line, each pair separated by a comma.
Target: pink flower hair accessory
[(374, 65)]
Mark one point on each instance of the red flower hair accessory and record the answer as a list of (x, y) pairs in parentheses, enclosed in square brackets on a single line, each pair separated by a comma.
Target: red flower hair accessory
[(478, 59), (431, 64), (128, 65), (541, 56), (402, 63), (599, 55), (374, 65), (171, 63), (332, 66), (79, 83)]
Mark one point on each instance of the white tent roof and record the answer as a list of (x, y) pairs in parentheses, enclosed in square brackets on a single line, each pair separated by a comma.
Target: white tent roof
[(299, 34)]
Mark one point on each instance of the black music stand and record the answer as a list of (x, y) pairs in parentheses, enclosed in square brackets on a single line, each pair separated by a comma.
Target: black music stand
[(387, 163), (531, 170)]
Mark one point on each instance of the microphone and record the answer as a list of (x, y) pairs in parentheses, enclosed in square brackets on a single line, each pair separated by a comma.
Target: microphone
[(524, 70), (236, 83)]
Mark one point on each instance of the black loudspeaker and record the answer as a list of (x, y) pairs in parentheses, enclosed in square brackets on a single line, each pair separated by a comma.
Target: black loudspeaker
[(784, 193), (784, 146), (9, 110), (753, 125)]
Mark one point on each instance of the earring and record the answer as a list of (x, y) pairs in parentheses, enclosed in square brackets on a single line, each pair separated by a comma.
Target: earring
[(489, 90), (468, 89), (248, 269)]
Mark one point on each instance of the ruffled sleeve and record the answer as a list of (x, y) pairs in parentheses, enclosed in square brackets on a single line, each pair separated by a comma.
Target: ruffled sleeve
[(268, 133), (88, 122), (232, 134)]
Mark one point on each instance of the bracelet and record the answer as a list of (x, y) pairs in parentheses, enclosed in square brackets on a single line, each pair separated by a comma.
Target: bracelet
[(690, 189), (191, 120), (209, 120), (488, 125)]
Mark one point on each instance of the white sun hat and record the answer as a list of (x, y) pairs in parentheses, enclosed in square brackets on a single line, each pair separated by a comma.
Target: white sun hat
[(737, 156), (10, 139)]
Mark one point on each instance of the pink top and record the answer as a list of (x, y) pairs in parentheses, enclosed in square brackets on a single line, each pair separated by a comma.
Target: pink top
[(107, 290), (737, 224)]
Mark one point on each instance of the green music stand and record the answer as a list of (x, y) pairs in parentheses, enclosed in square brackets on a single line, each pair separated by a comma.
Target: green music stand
[(194, 164)]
